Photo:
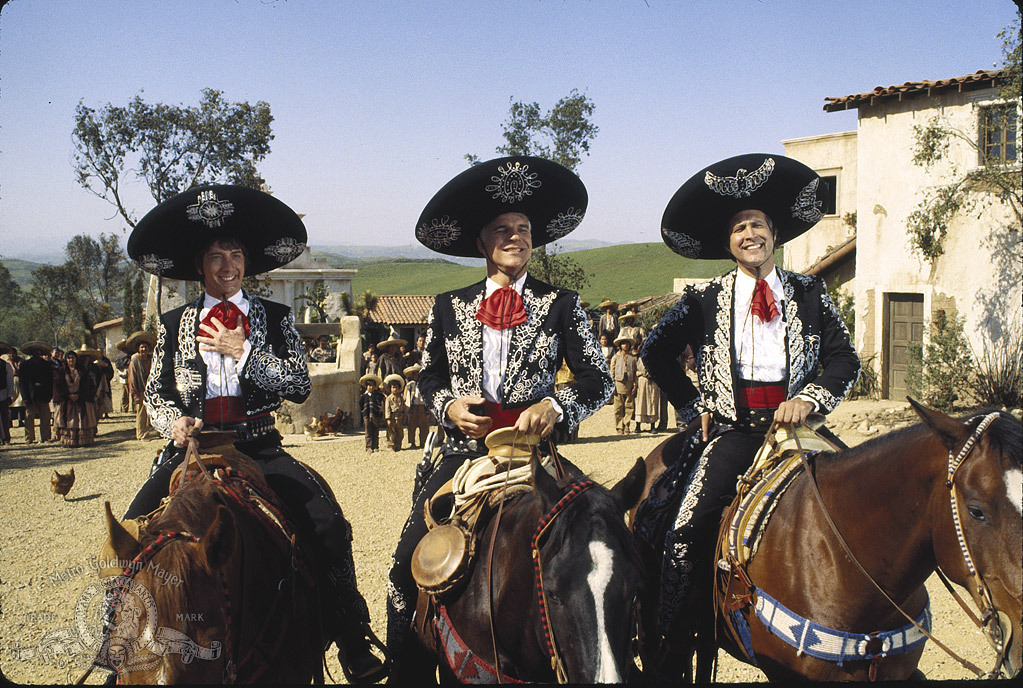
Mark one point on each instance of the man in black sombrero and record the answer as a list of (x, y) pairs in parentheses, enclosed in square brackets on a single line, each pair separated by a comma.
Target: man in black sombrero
[(493, 348), (225, 360), (769, 345)]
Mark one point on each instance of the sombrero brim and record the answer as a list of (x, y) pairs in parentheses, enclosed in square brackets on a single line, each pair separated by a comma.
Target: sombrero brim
[(137, 338), (370, 378), (392, 342), (394, 377), (6, 348), (165, 240), (550, 195), (619, 340), (412, 369), (786, 190), (608, 304), (35, 345)]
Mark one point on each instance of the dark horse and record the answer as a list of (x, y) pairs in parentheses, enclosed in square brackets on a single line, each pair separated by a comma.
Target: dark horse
[(562, 610), (891, 501), (215, 590)]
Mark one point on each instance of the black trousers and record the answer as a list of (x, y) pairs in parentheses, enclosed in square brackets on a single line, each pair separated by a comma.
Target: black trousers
[(317, 516), (690, 540)]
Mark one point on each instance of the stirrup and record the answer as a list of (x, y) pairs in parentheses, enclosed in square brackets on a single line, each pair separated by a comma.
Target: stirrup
[(371, 675)]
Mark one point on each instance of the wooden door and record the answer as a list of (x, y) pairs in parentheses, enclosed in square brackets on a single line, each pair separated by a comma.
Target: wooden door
[(905, 325)]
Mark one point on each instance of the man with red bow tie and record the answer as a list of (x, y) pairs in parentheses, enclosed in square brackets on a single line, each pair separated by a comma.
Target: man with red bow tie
[(225, 361), (493, 349), (769, 345)]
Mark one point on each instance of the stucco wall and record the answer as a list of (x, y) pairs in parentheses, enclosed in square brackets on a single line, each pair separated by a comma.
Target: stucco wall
[(829, 155), (975, 276)]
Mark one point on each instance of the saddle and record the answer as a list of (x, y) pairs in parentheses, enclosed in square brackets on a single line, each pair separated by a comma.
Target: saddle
[(759, 490), (457, 511)]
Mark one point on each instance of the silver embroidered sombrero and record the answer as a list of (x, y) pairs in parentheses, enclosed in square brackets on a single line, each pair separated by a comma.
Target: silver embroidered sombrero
[(550, 195), (788, 191), (165, 240)]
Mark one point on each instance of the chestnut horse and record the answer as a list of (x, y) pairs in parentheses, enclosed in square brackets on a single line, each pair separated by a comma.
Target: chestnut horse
[(217, 586), (891, 500), (565, 576)]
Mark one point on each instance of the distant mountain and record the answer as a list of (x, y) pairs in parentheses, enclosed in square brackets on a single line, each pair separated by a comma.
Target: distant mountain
[(420, 252)]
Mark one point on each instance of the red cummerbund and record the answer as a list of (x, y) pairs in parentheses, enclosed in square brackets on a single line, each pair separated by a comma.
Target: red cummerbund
[(223, 410), (760, 395), (503, 418)]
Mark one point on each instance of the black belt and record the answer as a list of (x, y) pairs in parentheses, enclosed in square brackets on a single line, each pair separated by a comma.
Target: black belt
[(247, 429), (754, 420)]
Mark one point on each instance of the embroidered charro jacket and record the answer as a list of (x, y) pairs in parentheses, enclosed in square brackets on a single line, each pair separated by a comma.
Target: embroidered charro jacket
[(822, 363), (275, 368), (556, 327)]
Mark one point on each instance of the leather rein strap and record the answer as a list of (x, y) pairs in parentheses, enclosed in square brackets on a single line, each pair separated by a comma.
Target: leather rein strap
[(953, 464)]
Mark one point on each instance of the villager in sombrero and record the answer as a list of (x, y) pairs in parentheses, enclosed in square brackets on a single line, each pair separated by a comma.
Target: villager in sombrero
[(165, 241), (493, 349), (551, 196), (786, 190), (35, 347), (136, 338), (769, 345)]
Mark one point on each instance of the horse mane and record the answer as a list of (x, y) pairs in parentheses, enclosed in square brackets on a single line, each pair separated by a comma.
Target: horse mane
[(1001, 432)]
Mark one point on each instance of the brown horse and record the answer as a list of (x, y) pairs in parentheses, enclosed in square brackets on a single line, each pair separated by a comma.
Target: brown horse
[(891, 501), (215, 590), (564, 578)]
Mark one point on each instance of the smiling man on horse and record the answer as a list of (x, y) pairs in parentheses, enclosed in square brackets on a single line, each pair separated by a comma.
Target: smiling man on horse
[(769, 346), (492, 349), (225, 360)]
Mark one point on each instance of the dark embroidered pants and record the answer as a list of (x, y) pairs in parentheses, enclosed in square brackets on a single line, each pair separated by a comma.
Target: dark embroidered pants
[(689, 542), (317, 515)]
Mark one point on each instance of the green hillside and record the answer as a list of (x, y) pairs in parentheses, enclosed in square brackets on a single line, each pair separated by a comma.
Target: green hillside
[(622, 272), (21, 270)]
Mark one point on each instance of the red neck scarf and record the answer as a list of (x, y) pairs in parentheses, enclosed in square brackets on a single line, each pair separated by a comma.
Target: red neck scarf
[(764, 305), (227, 315), (502, 309)]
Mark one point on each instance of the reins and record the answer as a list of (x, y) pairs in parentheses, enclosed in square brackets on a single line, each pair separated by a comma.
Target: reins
[(989, 611)]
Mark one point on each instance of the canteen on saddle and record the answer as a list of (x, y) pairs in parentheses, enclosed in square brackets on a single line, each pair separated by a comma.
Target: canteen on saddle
[(456, 512)]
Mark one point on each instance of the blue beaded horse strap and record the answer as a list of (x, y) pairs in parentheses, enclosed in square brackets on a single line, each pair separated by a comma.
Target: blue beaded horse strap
[(832, 645)]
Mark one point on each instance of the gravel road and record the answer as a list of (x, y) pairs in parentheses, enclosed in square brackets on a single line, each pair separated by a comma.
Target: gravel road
[(48, 545)]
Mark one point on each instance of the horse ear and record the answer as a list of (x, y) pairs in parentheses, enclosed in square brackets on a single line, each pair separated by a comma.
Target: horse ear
[(630, 488), (217, 544), (545, 484), (950, 430), (123, 543)]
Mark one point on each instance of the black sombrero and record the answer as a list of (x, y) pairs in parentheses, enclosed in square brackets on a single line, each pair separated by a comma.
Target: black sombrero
[(788, 191), (165, 240), (551, 196)]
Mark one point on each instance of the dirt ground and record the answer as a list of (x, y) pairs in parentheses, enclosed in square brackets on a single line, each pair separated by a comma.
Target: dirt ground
[(48, 545)]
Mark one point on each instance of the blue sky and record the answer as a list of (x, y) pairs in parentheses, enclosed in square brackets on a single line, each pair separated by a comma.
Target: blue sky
[(376, 102)]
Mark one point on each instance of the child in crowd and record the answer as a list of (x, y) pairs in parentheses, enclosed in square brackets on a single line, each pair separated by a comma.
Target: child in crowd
[(395, 411), (371, 407), (418, 416)]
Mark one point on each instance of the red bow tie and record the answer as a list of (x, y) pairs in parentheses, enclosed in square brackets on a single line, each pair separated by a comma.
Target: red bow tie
[(764, 306), (502, 309), (228, 316)]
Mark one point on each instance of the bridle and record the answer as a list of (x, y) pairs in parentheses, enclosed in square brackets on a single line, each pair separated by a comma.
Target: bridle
[(992, 620), (240, 488), (575, 489), (994, 623)]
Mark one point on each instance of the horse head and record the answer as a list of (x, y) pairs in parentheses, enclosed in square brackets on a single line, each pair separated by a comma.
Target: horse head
[(987, 492), (590, 574), (171, 623)]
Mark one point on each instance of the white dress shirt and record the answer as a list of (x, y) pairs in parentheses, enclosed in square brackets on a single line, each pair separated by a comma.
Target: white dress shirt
[(760, 349), (222, 371)]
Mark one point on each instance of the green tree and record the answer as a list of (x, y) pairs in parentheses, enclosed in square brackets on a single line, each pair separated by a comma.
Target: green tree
[(171, 148), (55, 295), (316, 296), (134, 300), (11, 302), (961, 190), (941, 370), (563, 135)]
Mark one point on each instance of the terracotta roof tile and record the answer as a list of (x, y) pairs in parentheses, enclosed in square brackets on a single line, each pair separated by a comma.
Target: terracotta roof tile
[(402, 309), (985, 78)]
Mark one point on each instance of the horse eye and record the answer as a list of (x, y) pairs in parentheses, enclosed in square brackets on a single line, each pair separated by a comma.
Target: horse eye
[(977, 513), (551, 597)]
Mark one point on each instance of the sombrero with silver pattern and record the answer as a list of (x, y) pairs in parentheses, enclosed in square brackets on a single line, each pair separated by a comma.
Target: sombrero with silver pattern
[(165, 240), (788, 191), (550, 195)]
